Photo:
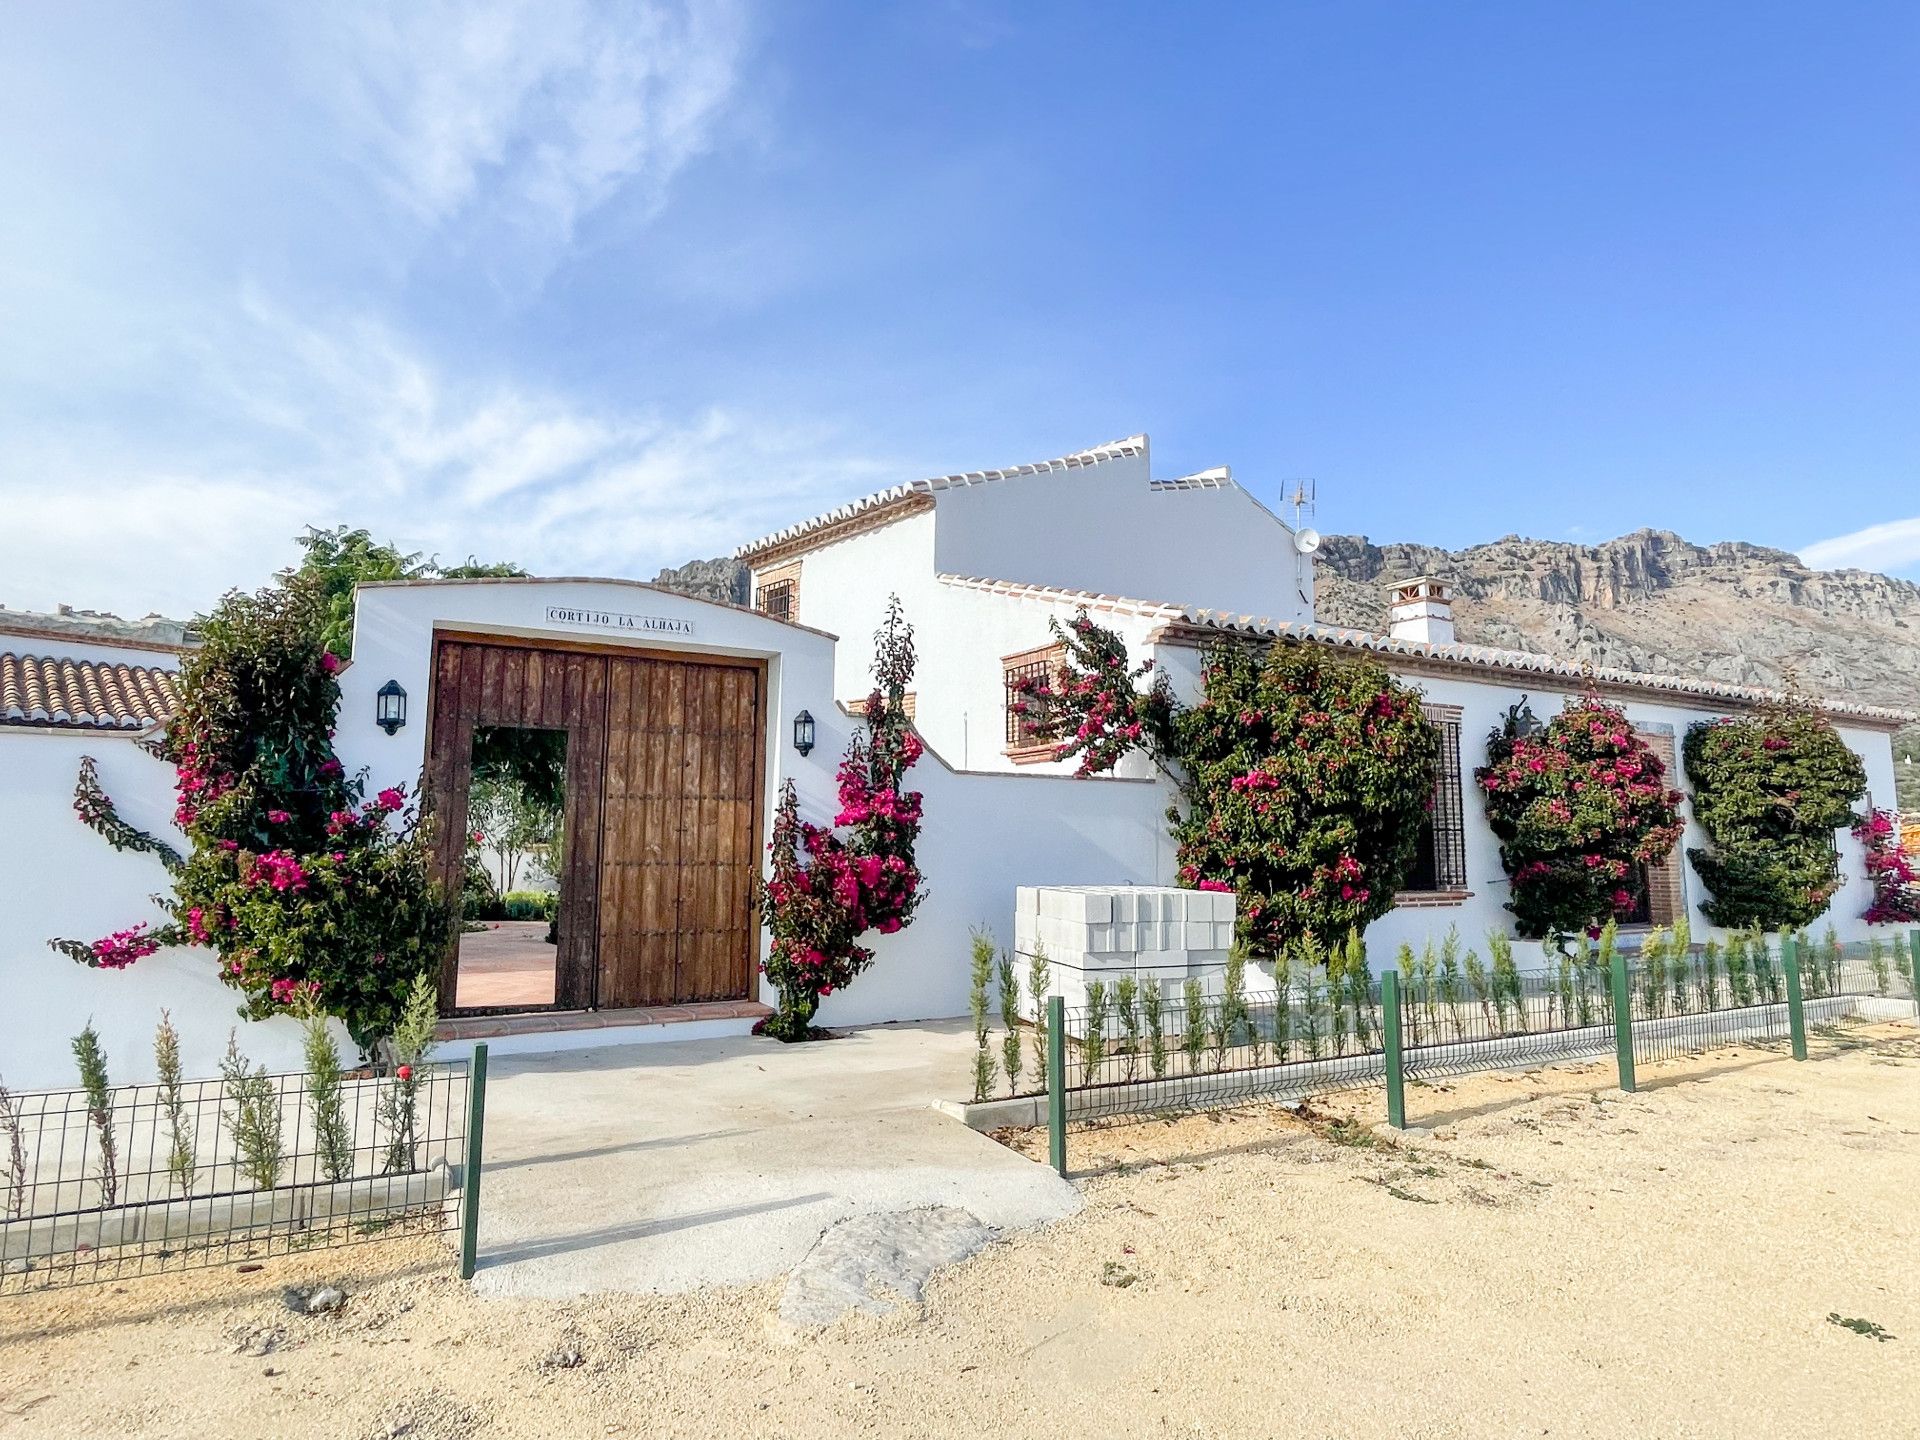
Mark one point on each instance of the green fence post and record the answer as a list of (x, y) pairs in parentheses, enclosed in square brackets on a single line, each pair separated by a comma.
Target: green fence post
[(470, 1172), (1390, 1046), (1913, 944), (1796, 1006), (1622, 1022), (1057, 1082)]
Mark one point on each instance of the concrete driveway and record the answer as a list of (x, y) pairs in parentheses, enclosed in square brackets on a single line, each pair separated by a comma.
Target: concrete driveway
[(666, 1167)]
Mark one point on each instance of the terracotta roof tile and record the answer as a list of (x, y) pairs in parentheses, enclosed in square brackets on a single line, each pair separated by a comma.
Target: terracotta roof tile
[(64, 693)]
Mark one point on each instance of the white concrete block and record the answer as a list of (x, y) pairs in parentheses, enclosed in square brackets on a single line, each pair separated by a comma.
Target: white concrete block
[(1197, 934), (1099, 907)]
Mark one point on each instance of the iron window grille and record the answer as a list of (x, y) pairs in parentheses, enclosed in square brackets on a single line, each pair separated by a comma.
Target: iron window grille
[(775, 598), (1027, 727), (1440, 862)]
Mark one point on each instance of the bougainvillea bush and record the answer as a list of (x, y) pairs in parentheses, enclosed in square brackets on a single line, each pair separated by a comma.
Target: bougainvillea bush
[(301, 886), (1306, 776), (831, 885), (1092, 705), (1896, 882), (1580, 807), (1770, 789)]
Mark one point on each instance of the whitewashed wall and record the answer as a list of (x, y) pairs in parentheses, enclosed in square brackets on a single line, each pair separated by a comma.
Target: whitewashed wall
[(984, 835), (61, 879), (1104, 528)]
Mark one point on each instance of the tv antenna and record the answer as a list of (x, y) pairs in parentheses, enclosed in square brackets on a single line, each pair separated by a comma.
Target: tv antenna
[(1302, 495)]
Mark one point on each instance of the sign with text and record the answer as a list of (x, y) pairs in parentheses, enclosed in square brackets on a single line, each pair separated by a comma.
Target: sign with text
[(617, 620)]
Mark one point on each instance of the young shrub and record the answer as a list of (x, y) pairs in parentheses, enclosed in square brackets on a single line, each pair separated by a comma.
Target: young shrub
[(1282, 1006), (1126, 1000), (412, 1047), (1766, 971), (1481, 983), (1429, 989), (1508, 998), (1357, 976), (1039, 987), (1710, 974), (1409, 968), (1677, 977), (253, 1118), (1813, 970), (1150, 1001), (1683, 957), (182, 1164), (1233, 997), (1833, 956), (16, 1153), (1093, 1043), (1451, 991), (1193, 1024), (1010, 1047), (1312, 1020), (981, 971), (92, 1061), (1653, 972), (1740, 969), (332, 1137), (1603, 969), (1877, 961)]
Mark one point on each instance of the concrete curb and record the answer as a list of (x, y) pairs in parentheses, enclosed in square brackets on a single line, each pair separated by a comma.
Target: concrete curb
[(290, 1207)]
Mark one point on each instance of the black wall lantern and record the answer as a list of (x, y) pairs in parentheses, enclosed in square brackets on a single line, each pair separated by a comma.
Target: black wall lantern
[(390, 707), (803, 732)]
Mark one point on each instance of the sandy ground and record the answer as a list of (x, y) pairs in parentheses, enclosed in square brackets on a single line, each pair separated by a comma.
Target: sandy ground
[(1555, 1259)]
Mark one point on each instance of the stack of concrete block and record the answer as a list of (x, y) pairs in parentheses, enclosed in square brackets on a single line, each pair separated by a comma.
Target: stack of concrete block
[(1158, 935)]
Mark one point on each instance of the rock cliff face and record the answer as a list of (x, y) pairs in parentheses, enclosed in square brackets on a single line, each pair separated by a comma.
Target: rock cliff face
[(723, 579), (1653, 601)]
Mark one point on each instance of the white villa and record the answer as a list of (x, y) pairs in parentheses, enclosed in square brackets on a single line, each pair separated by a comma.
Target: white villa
[(679, 719)]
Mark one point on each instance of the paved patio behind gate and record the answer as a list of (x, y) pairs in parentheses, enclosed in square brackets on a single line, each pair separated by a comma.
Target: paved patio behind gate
[(669, 1166)]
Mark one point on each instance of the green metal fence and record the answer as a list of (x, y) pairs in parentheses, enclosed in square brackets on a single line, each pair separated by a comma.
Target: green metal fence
[(1312, 1035)]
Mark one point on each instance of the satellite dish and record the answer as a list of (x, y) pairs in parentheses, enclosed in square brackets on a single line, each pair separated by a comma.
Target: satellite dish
[(1306, 541)]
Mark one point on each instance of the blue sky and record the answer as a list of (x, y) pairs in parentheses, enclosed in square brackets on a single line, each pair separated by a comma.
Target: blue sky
[(600, 288)]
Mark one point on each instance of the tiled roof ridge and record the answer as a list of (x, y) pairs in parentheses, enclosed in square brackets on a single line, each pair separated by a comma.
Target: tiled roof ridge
[(62, 692), (1519, 662), (1112, 450), (1024, 590)]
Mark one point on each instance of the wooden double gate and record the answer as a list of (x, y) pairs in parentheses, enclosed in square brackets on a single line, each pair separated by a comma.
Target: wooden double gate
[(664, 784)]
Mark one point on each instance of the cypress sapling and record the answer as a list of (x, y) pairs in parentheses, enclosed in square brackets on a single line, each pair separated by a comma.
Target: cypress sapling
[(980, 972), (1156, 1032), (182, 1164), (254, 1119), (1093, 1043), (1039, 987), (92, 1061), (1011, 1050), (1126, 999), (16, 1153), (332, 1139), (1193, 1024)]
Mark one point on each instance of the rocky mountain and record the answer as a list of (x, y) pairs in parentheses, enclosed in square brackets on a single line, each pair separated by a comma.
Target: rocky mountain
[(1646, 601), (1653, 601), (723, 579)]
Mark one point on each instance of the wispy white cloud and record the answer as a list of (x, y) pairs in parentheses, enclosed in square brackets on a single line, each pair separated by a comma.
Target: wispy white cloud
[(1892, 545), (535, 111), (350, 424)]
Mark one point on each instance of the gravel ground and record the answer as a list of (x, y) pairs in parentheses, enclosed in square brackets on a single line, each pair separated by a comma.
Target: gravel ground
[(1554, 1259)]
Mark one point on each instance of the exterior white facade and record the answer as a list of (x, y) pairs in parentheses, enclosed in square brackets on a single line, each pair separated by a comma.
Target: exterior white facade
[(1165, 599), (981, 564)]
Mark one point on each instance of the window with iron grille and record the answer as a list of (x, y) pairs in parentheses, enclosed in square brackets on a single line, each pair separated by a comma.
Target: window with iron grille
[(1025, 731), (775, 598), (1440, 863)]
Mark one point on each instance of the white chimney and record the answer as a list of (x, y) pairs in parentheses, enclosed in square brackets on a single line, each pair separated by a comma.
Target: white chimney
[(1420, 609)]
